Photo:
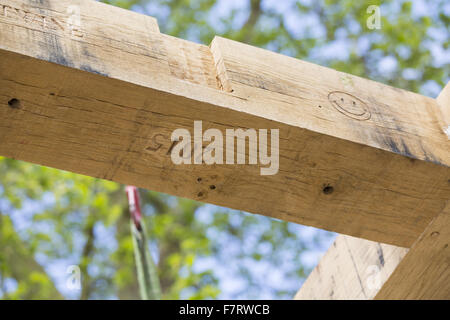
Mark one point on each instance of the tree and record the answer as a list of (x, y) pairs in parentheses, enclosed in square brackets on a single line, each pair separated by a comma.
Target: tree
[(54, 218)]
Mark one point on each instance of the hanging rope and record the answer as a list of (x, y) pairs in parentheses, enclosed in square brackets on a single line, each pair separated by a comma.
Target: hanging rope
[(147, 275)]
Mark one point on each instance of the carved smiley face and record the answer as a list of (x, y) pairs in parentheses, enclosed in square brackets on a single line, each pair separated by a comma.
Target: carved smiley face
[(349, 105)]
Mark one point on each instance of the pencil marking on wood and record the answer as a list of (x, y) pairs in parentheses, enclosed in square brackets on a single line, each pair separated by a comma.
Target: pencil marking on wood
[(41, 20), (349, 105)]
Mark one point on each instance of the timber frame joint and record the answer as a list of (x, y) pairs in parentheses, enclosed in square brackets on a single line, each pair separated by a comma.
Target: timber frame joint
[(98, 90)]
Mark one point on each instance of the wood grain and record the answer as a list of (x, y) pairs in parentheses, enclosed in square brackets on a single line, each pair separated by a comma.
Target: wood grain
[(352, 268), (424, 273), (443, 101), (102, 99)]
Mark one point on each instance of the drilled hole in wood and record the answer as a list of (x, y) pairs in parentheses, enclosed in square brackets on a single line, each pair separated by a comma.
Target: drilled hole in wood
[(200, 194), (212, 187), (328, 190), (199, 179), (14, 103)]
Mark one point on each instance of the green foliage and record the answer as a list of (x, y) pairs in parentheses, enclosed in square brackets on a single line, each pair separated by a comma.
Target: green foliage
[(60, 216)]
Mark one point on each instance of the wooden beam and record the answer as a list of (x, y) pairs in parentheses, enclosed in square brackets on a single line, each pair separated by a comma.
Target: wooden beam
[(352, 268), (424, 272), (443, 101), (359, 269), (355, 268), (100, 93)]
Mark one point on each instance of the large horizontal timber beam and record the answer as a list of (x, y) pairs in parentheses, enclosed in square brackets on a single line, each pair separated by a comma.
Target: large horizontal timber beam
[(98, 90), (355, 268)]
